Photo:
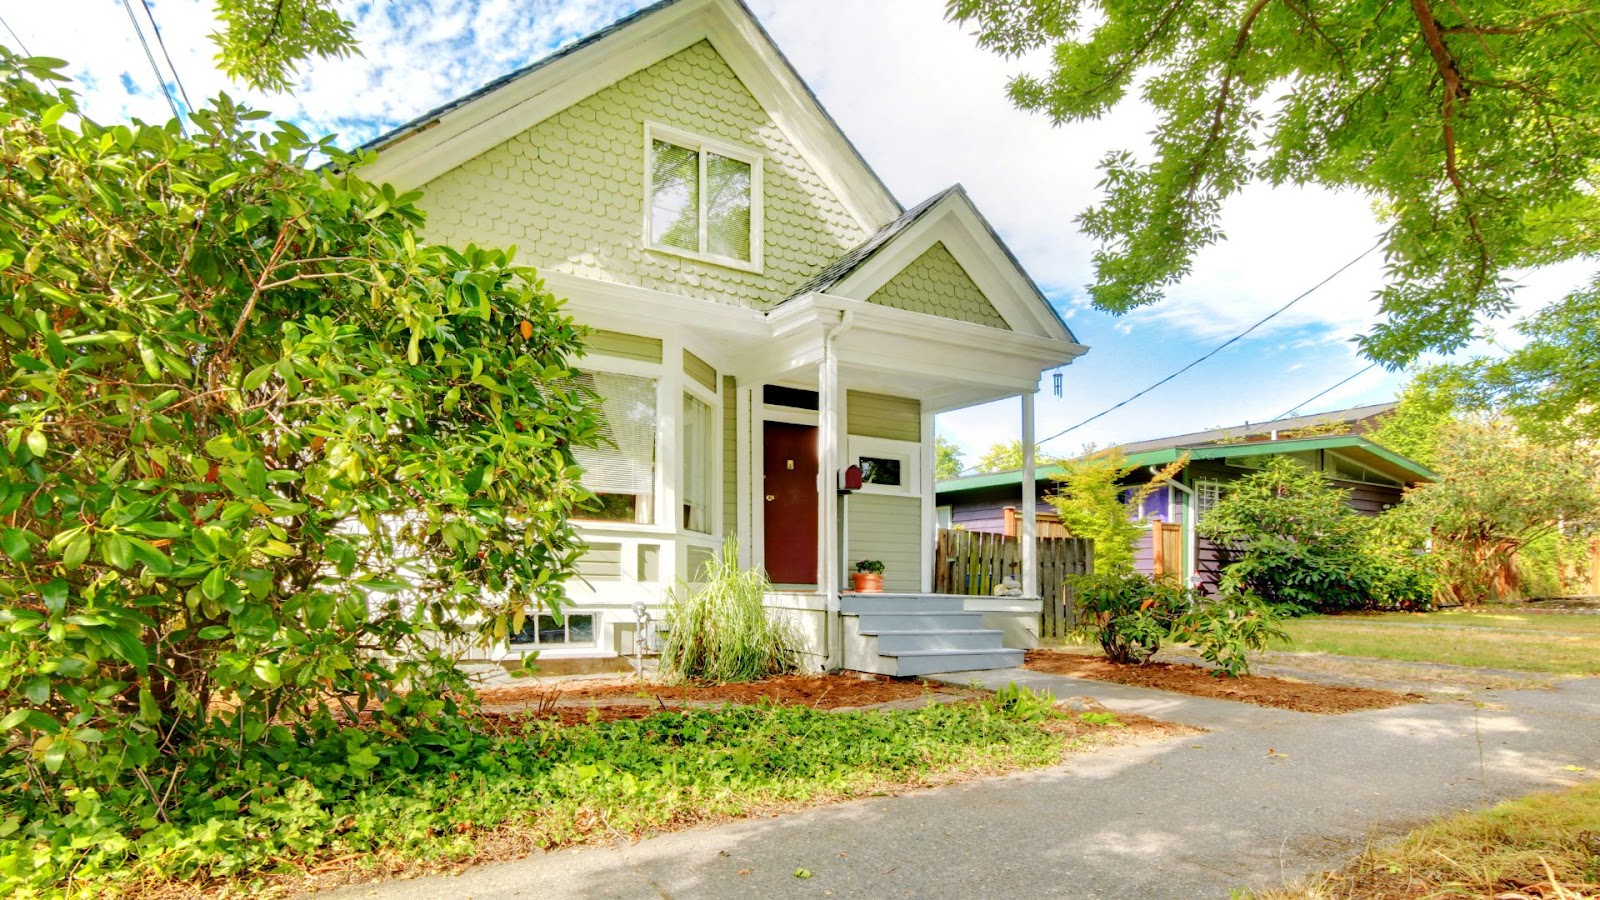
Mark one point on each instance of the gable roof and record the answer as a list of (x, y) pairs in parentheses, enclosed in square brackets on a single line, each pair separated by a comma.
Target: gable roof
[(1356, 417), (953, 200), (1235, 442), (447, 135)]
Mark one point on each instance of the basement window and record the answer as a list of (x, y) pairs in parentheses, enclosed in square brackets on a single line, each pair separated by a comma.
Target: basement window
[(571, 630), (705, 199)]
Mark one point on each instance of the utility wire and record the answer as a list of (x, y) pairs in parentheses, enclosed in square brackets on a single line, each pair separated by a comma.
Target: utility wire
[(15, 37), (1220, 347), (161, 42), (1306, 402), (160, 79)]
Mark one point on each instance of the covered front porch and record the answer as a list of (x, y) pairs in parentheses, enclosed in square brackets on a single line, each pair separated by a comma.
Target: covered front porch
[(848, 383)]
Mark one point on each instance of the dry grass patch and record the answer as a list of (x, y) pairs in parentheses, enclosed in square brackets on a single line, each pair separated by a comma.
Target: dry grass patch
[(1544, 643), (1544, 846)]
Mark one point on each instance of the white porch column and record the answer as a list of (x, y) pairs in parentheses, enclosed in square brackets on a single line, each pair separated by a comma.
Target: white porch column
[(930, 522), (1030, 518), (831, 431)]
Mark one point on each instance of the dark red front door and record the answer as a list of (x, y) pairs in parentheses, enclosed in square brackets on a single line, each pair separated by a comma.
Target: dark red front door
[(789, 476)]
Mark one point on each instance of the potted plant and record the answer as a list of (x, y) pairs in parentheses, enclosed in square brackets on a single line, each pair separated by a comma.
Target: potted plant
[(868, 576)]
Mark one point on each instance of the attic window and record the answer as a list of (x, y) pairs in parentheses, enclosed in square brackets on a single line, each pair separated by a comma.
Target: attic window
[(705, 199)]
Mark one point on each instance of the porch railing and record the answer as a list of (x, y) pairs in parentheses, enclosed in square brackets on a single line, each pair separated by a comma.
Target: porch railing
[(973, 562)]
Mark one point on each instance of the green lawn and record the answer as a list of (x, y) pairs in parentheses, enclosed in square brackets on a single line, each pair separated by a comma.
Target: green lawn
[(1500, 639)]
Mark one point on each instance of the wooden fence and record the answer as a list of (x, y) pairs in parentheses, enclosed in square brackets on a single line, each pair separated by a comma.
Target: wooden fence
[(973, 562)]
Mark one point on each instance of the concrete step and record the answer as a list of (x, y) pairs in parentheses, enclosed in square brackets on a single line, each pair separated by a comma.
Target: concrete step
[(940, 639), (856, 604), (931, 662), (873, 623)]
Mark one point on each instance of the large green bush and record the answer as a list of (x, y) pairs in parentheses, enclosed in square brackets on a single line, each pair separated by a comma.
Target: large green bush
[(259, 446), (1287, 537)]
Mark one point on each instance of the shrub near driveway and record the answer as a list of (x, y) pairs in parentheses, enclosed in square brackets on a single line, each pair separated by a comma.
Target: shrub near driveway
[(319, 792)]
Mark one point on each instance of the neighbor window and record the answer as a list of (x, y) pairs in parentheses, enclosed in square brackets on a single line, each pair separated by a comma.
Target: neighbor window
[(621, 471), (699, 452), (704, 200), (1207, 494), (546, 630)]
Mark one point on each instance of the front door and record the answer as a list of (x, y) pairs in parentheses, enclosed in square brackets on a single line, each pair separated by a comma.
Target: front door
[(789, 486)]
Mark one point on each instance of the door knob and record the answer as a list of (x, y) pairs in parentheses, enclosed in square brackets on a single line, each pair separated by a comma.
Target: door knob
[(771, 497)]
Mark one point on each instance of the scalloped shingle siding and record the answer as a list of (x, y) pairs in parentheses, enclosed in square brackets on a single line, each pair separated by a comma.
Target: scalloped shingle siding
[(569, 192), (934, 283)]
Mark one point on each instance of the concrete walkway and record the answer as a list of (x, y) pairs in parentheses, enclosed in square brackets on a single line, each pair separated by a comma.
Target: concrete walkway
[(1266, 795)]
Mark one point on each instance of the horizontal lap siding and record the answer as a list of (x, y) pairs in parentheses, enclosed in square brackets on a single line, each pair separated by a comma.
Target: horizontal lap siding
[(882, 416), (626, 346), (888, 529), (601, 561), (1144, 559), (1369, 499), (985, 517), (884, 527)]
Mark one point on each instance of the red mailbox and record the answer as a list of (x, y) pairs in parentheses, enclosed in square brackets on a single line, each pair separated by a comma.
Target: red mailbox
[(849, 479)]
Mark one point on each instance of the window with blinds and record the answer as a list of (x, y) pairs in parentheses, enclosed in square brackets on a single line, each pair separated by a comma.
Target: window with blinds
[(699, 452), (621, 472), (703, 200)]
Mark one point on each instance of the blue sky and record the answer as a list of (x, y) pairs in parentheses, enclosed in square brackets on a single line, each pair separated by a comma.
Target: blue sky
[(927, 109)]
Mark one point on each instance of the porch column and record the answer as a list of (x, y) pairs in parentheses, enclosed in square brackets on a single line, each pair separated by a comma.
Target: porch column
[(1030, 518), (830, 435)]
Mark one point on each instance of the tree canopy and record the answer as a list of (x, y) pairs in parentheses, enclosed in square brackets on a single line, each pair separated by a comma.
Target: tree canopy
[(1005, 456), (946, 458), (262, 42), (1473, 124)]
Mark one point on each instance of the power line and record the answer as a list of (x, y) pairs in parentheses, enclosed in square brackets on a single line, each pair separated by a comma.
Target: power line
[(161, 42), (1220, 347), (15, 37), (160, 79), (1306, 402)]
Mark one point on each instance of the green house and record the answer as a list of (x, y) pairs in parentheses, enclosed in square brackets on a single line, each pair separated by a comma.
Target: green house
[(767, 314)]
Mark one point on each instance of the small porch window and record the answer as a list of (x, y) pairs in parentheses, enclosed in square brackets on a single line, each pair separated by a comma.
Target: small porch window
[(1208, 493), (622, 471)]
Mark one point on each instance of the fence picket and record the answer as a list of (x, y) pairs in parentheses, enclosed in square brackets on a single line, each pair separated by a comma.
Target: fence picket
[(973, 562)]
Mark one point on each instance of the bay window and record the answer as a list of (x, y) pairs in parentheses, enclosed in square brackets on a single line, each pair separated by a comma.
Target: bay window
[(699, 454), (621, 472)]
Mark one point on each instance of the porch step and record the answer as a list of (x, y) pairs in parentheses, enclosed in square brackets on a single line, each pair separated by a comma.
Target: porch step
[(932, 662), (872, 623), (891, 642), (919, 634), (854, 604)]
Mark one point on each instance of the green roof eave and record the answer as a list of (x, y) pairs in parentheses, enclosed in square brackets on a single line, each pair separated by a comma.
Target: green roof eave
[(992, 479), (1287, 445)]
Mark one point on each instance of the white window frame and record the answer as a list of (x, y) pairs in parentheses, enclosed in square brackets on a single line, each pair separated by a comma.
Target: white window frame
[(654, 131), (909, 453), (566, 627), (1368, 472)]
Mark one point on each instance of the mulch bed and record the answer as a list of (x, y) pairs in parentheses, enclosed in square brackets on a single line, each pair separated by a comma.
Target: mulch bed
[(1261, 690), (579, 702)]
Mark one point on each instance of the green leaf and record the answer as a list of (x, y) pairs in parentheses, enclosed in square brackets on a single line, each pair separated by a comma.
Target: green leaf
[(215, 583), (14, 718), (267, 671), (76, 551), (214, 632), (38, 444)]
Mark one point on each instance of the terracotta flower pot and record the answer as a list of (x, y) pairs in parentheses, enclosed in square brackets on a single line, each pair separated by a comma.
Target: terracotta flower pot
[(868, 582)]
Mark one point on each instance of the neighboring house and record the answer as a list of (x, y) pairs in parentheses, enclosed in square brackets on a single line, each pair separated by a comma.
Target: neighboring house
[(1331, 442), (765, 313)]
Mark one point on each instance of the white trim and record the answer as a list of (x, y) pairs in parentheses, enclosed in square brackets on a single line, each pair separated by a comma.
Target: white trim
[(743, 466), (908, 452), (691, 141), (413, 158), (789, 415), (1030, 502)]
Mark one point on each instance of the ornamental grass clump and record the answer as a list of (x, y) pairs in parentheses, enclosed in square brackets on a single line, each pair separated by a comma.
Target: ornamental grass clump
[(719, 629)]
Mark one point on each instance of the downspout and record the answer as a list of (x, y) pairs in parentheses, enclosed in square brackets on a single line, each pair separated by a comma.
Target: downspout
[(833, 630), (1190, 564)]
